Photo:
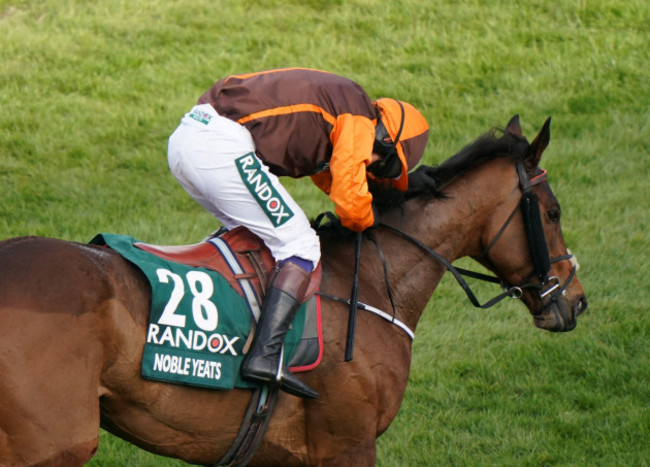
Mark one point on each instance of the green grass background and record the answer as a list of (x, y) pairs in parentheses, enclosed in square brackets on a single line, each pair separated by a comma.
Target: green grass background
[(90, 92)]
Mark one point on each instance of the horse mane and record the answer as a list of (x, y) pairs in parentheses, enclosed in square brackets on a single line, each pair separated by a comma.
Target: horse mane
[(428, 182), (486, 148)]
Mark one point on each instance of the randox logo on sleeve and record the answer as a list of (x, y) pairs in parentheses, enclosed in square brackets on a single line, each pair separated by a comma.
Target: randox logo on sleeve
[(200, 116), (260, 186)]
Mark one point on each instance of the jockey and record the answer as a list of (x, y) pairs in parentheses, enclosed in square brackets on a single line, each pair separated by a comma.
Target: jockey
[(246, 131)]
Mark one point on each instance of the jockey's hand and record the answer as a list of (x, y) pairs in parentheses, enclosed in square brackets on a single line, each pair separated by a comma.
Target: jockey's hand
[(423, 179), (328, 222)]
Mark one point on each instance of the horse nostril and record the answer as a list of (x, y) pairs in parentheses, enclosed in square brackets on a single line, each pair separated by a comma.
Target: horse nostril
[(580, 306)]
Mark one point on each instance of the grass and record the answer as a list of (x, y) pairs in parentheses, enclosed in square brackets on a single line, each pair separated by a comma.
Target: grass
[(90, 92)]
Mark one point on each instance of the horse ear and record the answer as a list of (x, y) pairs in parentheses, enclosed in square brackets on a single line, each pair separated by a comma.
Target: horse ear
[(539, 143), (514, 127)]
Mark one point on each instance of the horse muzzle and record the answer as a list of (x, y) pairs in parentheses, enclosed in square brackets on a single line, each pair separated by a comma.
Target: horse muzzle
[(559, 314)]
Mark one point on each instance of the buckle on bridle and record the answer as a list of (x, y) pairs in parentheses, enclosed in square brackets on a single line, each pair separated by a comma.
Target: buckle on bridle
[(515, 292), (551, 288)]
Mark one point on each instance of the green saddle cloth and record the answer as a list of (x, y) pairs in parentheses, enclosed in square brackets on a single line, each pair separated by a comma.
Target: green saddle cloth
[(198, 324)]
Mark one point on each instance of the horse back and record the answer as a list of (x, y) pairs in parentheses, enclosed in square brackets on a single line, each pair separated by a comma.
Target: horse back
[(49, 276), (56, 302), (75, 301)]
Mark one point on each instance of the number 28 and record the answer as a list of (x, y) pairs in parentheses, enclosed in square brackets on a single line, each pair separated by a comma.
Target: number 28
[(204, 312)]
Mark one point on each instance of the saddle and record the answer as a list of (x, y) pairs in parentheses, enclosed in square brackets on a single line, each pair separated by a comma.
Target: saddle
[(244, 261), (256, 264)]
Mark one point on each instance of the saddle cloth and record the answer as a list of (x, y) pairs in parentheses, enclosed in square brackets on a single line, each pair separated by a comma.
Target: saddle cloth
[(206, 299)]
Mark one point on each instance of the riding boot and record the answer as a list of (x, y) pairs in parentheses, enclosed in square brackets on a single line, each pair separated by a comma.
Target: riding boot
[(263, 362)]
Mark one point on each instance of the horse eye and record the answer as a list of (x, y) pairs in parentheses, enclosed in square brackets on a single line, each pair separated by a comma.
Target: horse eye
[(554, 215)]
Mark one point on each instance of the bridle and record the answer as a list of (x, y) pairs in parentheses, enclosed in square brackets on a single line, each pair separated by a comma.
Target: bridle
[(549, 288), (538, 279)]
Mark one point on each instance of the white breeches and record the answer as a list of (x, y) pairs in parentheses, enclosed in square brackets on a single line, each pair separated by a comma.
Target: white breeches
[(213, 158)]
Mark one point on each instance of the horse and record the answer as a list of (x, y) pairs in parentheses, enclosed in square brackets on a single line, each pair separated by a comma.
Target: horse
[(73, 321)]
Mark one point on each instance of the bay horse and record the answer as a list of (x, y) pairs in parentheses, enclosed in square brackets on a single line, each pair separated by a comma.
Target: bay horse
[(73, 321)]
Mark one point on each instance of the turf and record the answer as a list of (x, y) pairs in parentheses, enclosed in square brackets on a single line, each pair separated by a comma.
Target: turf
[(90, 92)]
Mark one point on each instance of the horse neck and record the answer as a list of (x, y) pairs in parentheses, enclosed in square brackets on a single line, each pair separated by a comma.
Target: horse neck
[(454, 227)]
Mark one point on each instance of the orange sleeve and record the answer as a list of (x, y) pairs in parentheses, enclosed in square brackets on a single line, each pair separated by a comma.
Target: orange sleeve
[(352, 139)]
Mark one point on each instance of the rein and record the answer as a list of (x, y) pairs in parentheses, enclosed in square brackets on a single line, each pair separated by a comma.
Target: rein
[(546, 286), (537, 245), (352, 319)]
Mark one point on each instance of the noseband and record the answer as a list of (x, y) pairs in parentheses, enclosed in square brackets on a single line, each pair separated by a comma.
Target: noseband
[(538, 279), (532, 218)]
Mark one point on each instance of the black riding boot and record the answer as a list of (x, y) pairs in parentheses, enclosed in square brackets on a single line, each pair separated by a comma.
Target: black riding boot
[(263, 361)]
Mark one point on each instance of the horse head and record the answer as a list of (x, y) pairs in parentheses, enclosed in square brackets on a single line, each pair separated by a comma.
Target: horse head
[(527, 251), (491, 201)]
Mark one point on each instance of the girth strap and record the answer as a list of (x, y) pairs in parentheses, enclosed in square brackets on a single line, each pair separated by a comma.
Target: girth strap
[(252, 429), (263, 399)]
